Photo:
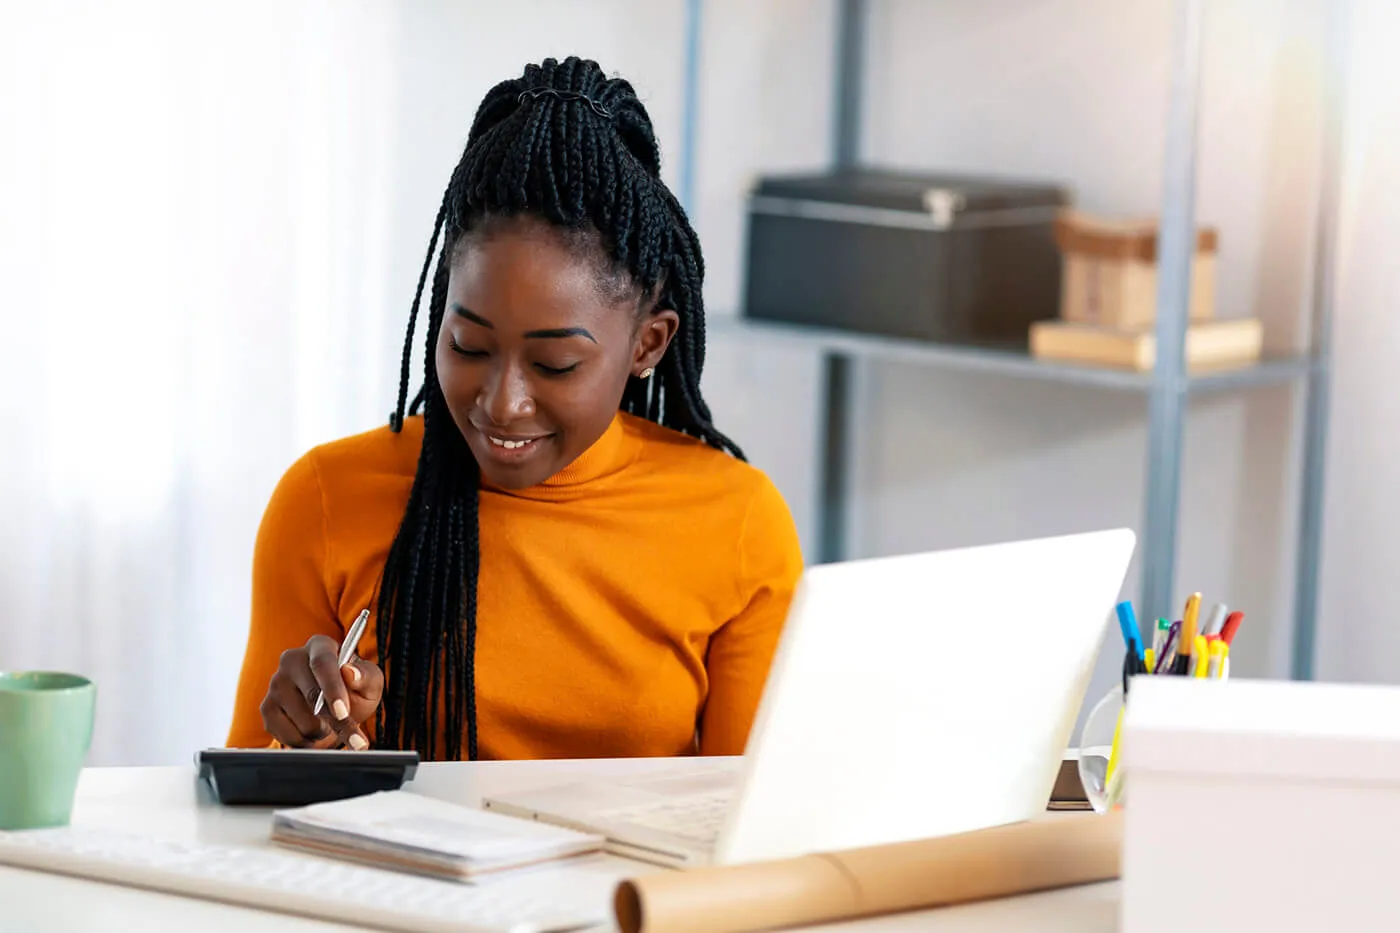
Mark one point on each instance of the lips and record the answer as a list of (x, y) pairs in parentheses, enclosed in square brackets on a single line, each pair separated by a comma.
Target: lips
[(508, 444), (508, 449)]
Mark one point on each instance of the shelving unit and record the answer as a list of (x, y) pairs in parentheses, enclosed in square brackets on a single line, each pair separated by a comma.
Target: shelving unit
[(1167, 387)]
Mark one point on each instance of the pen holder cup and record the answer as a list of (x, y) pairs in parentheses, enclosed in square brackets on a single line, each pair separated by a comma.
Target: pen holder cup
[(1099, 753)]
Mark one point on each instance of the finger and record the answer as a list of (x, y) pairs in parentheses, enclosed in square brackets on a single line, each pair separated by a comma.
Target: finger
[(357, 739), (290, 691), (323, 657), (364, 679), (280, 726), (298, 709)]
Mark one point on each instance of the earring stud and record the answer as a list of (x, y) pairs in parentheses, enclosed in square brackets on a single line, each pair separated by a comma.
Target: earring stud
[(646, 373)]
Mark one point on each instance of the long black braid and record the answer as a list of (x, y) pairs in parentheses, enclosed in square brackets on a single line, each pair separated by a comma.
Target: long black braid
[(568, 145)]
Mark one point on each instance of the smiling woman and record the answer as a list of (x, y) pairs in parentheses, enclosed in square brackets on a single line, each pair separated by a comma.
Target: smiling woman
[(562, 556), (536, 350)]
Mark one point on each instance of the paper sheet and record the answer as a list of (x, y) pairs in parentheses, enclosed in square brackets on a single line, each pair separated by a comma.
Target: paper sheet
[(1054, 852)]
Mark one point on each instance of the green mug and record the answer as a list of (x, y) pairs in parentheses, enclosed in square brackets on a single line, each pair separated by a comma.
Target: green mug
[(45, 731)]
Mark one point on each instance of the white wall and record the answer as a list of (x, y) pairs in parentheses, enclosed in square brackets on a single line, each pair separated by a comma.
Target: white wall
[(1075, 90), (1072, 90), (1358, 638)]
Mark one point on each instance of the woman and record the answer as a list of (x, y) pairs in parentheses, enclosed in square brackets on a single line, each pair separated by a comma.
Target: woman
[(562, 556)]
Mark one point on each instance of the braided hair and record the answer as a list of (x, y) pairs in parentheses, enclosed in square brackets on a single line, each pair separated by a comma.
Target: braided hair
[(565, 144)]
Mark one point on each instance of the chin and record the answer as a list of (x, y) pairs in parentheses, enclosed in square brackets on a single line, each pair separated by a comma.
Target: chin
[(511, 479)]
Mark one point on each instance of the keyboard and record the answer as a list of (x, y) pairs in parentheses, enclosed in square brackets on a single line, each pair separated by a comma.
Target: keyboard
[(696, 817), (565, 900)]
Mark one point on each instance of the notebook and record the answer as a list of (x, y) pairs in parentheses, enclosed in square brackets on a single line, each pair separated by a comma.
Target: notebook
[(413, 833)]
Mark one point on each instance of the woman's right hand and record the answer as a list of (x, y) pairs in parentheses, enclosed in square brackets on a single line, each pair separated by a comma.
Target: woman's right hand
[(352, 695)]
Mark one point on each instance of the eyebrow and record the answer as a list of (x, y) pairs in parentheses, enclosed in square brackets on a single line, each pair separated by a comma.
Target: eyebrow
[(555, 333)]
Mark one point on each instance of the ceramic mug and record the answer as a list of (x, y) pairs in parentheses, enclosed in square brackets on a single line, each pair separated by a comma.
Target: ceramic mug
[(45, 731)]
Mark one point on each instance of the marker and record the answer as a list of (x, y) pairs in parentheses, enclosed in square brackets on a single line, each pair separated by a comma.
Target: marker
[(1200, 657), (1149, 660), (1225, 661), (1217, 620), (1188, 632), (1132, 635), (1113, 751), (1217, 659), (1232, 625)]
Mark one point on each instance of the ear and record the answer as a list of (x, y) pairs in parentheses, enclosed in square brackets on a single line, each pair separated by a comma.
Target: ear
[(654, 335)]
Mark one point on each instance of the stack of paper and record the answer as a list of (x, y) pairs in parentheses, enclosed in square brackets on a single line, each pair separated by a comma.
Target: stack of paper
[(409, 832)]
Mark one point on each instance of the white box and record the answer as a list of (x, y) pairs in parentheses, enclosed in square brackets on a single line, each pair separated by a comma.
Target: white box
[(1260, 805)]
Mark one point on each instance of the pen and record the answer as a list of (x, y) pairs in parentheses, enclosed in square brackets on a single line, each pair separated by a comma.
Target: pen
[(1159, 636), (347, 651), (1188, 634), (1166, 658), (1217, 620)]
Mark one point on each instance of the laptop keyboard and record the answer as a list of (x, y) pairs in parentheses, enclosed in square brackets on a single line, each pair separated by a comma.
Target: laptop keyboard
[(697, 817)]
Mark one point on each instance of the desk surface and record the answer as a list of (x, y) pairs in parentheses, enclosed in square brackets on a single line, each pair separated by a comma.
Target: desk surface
[(169, 803)]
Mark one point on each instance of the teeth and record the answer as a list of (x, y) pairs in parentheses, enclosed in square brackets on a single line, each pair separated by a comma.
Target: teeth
[(510, 445)]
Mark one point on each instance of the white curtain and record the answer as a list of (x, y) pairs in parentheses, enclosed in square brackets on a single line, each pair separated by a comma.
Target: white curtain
[(212, 215), (192, 292)]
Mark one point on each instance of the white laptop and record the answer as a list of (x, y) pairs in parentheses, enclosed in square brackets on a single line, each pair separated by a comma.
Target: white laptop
[(910, 697)]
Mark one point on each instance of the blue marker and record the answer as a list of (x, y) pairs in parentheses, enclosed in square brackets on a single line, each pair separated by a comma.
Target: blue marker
[(1132, 635)]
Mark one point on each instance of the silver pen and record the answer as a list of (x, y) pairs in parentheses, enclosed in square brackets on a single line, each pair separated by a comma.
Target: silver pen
[(347, 651)]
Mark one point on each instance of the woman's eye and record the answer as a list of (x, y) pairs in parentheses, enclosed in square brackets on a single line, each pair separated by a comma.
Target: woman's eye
[(463, 351), (556, 370)]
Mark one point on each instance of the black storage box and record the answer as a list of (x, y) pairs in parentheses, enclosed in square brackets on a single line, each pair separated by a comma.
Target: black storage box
[(932, 257)]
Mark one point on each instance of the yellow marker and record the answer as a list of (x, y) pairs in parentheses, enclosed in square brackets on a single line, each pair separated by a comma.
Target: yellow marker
[(1149, 658), (1200, 659), (1113, 752), (1217, 660)]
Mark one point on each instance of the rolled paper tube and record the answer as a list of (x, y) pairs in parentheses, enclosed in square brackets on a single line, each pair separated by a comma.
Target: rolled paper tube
[(1019, 858)]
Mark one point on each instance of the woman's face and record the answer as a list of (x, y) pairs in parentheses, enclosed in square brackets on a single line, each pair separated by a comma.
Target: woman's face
[(536, 347)]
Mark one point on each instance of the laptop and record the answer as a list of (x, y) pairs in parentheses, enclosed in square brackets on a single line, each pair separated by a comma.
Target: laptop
[(910, 697)]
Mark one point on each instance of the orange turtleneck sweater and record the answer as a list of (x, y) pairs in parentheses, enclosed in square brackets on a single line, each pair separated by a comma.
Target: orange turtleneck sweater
[(623, 606)]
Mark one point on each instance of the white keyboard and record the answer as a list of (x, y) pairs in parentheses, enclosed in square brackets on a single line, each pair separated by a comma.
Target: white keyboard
[(316, 887), (695, 816)]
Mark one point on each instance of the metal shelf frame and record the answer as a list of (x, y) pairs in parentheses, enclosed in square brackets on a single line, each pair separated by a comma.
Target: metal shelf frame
[(1168, 386)]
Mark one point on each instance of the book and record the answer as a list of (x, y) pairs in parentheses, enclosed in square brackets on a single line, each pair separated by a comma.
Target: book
[(1068, 792), (1210, 345), (409, 832)]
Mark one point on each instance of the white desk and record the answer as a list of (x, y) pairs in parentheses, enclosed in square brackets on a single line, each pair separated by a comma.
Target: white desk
[(168, 802)]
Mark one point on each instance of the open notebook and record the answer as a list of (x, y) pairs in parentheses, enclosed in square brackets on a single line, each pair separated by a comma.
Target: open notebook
[(409, 832)]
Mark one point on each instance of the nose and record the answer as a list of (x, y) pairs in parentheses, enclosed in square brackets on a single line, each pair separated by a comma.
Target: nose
[(505, 396)]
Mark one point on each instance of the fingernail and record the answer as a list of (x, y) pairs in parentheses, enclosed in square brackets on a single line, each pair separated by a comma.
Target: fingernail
[(355, 674), (341, 710), (357, 742)]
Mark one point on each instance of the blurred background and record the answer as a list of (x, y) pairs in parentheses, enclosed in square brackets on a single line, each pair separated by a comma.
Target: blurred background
[(212, 216)]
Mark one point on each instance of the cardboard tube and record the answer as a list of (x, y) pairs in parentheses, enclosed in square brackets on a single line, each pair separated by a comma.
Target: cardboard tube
[(1015, 859)]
